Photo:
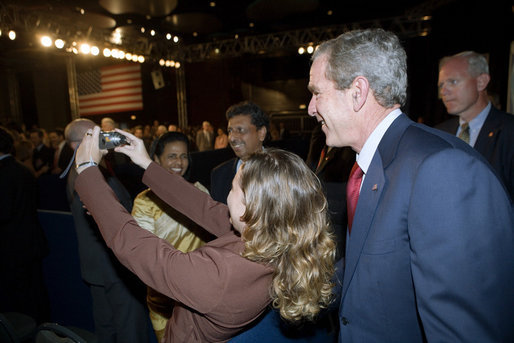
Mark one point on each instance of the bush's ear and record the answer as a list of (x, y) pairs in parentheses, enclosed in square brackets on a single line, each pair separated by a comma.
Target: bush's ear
[(359, 91)]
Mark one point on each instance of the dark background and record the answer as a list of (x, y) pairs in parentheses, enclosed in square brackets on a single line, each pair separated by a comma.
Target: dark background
[(276, 80)]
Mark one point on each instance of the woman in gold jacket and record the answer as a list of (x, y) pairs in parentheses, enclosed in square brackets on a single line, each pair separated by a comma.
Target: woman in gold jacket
[(154, 215)]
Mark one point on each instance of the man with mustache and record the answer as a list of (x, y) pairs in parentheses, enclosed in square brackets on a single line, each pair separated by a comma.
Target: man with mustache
[(247, 128)]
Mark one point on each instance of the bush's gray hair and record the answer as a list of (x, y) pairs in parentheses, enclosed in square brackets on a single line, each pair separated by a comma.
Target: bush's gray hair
[(373, 53)]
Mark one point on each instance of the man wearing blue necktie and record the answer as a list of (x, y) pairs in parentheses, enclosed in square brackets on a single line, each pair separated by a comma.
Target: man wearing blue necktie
[(430, 256)]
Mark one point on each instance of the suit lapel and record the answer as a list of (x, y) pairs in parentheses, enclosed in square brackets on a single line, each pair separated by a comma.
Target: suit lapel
[(488, 133), (371, 191), (366, 207), (329, 155)]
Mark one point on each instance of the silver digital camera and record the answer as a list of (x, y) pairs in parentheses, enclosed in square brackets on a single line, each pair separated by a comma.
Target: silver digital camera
[(111, 139)]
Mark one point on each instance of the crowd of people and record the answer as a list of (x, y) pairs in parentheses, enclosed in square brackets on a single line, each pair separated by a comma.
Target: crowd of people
[(403, 232)]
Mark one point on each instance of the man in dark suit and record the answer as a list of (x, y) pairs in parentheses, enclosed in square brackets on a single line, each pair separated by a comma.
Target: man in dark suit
[(119, 308), (332, 166), (43, 156), (463, 80), (430, 249), (22, 244), (247, 130), (62, 150)]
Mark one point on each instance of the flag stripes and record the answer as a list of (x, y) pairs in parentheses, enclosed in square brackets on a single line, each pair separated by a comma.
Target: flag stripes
[(111, 89)]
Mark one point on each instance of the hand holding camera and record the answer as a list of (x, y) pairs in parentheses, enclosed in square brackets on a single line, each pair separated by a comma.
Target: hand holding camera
[(111, 139)]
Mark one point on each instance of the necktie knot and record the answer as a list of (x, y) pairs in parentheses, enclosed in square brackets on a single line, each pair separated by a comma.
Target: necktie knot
[(352, 192), (464, 132)]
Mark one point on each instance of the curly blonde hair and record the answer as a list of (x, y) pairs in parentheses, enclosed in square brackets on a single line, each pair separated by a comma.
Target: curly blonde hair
[(287, 227)]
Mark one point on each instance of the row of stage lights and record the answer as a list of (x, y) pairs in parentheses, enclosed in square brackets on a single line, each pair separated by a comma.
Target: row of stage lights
[(11, 34), (87, 49), (309, 49)]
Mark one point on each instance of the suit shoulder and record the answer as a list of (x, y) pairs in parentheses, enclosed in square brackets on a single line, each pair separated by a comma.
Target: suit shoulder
[(423, 140), (507, 119), (223, 167)]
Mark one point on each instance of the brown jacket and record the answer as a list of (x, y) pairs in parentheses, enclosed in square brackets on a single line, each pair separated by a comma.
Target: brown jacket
[(219, 292)]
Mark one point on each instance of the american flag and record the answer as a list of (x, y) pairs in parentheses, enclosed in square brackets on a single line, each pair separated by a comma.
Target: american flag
[(111, 89)]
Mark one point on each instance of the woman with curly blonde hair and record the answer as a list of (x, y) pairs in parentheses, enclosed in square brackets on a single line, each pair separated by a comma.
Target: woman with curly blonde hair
[(287, 228), (273, 244)]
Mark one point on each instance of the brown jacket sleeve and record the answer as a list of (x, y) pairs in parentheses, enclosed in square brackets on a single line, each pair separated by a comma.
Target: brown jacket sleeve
[(159, 265), (186, 198)]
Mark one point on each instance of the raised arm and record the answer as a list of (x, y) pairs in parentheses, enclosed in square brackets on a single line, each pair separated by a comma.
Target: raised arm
[(172, 189)]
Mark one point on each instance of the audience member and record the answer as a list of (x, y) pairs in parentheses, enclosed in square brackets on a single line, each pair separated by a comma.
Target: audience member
[(221, 139), (23, 245), (43, 156), (332, 166), (205, 137), (107, 124), (281, 251), (24, 149), (284, 131), (138, 131), (247, 130), (118, 296), (173, 128), (463, 80), (161, 129), (62, 151), (430, 253), (154, 215)]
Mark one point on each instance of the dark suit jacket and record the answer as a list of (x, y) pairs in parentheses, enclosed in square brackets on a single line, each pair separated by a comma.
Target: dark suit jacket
[(42, 157), (221, 179), (98, 264), (333, 172), (22, 244), (431, 253), (65, 156), (495, 142), (218, 292)]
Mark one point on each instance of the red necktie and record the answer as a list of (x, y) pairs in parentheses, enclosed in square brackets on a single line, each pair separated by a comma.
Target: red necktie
[(352, 193)]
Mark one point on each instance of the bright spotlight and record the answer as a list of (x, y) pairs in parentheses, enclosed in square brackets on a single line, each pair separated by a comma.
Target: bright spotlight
[(95, 51), (114, 53), (12, 35), (175, 39), (128, 56), (177, 65), (46, 41), (134, 58), (85, 48), (168, 63), (310, 49), (59, 43), (107, 52), (141, 59), (121, 54), (162, 62), (152, 33), (172, 63), (168, 36), (301, 50)]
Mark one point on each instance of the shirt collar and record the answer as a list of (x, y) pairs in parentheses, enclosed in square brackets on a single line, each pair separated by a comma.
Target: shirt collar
[(478, 121), (370, 146)]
